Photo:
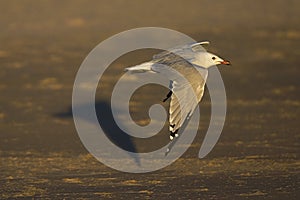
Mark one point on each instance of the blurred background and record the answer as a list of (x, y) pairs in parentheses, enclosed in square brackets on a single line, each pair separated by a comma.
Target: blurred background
[(43, 43)]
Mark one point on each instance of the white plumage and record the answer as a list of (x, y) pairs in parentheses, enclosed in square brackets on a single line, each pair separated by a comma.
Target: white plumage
[(190, 61)]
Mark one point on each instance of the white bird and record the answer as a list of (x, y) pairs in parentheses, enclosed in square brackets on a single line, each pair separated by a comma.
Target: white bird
[(192, 61)]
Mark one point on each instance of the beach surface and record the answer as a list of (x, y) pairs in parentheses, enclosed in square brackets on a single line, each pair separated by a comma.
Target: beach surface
[(42, 45)]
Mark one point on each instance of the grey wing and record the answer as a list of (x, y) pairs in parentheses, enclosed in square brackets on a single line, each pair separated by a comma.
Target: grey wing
[(187, 51), (184, 99)]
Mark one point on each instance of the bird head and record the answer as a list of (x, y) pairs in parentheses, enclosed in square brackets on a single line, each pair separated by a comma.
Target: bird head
[(207, 59), (216, 60)]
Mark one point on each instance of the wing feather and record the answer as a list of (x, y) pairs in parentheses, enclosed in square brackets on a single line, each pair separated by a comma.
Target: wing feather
[(182, 102)]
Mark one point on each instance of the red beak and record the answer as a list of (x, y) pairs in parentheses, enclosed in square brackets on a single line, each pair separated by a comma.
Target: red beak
[(225, 62)]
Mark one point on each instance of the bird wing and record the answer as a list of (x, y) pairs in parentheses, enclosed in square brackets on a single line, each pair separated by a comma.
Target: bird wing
[(183, 103), (199, 46), (187, 51)]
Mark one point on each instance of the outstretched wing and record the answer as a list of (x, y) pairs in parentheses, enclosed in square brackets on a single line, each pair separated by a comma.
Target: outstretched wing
[(183, 104), (184, 99), (187, 51)]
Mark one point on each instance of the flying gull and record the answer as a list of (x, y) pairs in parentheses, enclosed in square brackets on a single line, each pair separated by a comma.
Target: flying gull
[(192, 62)]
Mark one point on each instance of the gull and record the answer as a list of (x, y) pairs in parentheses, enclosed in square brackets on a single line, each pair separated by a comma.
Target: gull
[(192, 62)]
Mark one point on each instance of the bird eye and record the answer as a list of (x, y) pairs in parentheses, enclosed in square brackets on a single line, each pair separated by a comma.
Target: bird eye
[(214, 58)]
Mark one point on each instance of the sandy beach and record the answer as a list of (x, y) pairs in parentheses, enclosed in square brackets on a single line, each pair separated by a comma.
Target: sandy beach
[(42, 45)]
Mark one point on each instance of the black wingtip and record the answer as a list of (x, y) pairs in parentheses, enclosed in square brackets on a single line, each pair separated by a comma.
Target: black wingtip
[(173, 134)]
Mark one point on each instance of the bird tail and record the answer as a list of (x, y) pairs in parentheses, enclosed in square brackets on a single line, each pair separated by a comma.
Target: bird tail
[(144, 67)]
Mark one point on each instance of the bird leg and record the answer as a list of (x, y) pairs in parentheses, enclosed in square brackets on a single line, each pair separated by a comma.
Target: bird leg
[(168, 96)]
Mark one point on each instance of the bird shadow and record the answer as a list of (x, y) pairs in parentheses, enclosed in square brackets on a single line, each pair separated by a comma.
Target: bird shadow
[(108, 125)]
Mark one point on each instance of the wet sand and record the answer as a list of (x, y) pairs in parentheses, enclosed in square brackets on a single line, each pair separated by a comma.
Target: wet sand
[(42, 45)]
